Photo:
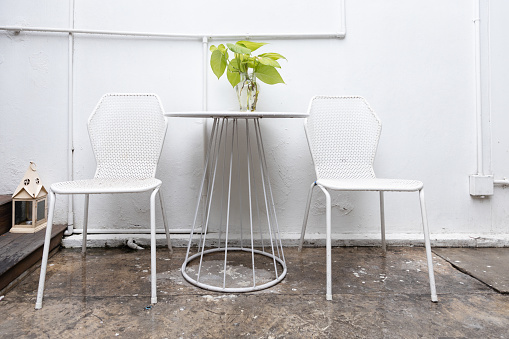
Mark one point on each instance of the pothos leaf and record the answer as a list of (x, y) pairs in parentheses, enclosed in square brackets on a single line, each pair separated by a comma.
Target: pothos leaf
[(238, 49), (273, 56), (218, 63), (237, 65), (268, 75), (268, 62), (233, 77), (253, 46)]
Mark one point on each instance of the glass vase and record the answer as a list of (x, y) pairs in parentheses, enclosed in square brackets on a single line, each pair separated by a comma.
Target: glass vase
[(247, 92)]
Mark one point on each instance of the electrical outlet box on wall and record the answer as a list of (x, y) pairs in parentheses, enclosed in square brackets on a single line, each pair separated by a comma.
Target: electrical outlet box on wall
[(481, 185)]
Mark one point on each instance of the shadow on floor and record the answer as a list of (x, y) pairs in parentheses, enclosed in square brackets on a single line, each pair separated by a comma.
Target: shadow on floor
[(107, 294)]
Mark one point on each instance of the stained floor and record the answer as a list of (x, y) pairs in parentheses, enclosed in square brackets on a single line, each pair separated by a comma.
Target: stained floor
[(107, 294), (489, 265)]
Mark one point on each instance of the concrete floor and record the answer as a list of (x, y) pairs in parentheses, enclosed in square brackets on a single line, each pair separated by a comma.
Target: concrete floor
[(489, 265), (107, 294)]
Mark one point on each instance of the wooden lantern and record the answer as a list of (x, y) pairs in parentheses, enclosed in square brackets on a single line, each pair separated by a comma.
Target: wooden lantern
[(29, 203)]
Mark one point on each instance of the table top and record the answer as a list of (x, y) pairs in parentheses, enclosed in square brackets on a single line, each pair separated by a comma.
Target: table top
[(235, 114)]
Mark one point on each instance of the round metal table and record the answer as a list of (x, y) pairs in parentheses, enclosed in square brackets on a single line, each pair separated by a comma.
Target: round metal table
[(246, 256)]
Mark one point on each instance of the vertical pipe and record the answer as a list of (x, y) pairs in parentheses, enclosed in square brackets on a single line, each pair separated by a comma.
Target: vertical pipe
[(205, 51), (342, 27), (478, 90), (70, 126)]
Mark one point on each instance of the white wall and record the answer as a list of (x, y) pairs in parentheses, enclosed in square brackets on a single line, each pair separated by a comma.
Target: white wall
[(499, 209), (412, 60), (33, 94)]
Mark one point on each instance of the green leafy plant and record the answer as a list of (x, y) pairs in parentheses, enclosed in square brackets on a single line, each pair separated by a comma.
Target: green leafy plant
[(263, 66)]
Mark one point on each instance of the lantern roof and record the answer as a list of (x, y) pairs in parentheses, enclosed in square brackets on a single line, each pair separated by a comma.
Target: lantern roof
[(31, 186)]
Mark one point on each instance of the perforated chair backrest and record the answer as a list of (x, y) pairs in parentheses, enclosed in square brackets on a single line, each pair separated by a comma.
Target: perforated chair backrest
[(343, 134), (127, 134)]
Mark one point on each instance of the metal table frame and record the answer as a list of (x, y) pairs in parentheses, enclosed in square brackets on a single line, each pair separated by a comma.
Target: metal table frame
[(225, 134)]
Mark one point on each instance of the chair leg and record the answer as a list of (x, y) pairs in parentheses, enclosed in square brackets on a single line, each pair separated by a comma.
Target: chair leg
[(45, 252), (434, 297), (85, 225), (153, 262), (328, 294), (165, 222), (382, 221), (306, 214)]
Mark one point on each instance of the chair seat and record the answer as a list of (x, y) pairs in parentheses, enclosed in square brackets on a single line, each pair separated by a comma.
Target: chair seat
[(95, 186), (371, 184)]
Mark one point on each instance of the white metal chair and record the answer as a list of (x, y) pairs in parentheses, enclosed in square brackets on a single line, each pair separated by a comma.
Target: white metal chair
[(343, 134), (127, 133)]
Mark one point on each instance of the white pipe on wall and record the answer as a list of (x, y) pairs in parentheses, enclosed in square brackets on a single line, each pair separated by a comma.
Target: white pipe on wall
[(502, 182), (485, 45), (483, 87), (483, 90), (478, 89), (267, 36), (205, 50), (205, 47)]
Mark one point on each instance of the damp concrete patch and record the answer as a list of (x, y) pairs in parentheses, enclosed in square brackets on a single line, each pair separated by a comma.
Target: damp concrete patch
[(488, 265)]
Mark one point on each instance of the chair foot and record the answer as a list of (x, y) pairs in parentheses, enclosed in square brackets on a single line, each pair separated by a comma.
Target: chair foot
[(38, 306), (434, 298), (329, 297), (153, 300)]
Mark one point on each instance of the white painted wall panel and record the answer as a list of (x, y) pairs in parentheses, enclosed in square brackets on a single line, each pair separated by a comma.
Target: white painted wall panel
[(33, 95), (211, 17), (413, 62)]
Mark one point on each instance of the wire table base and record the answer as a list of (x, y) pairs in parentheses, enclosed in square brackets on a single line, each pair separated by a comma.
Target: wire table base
[(247, 256)]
